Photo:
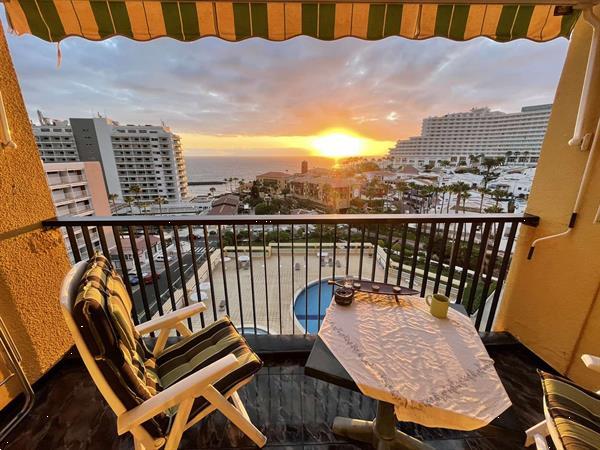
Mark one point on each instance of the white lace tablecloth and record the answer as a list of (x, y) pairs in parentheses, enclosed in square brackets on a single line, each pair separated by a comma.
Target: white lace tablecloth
[(435, 371)]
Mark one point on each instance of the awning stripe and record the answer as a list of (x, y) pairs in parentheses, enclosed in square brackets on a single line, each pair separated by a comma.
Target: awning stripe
[(187, 20)]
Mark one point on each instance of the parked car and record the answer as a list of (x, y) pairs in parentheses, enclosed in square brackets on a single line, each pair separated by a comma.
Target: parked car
[(149, 278), (160, 258), (133, 278)]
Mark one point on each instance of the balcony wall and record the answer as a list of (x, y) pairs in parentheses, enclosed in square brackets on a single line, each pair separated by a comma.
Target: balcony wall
[(551, 302), (32, 261)]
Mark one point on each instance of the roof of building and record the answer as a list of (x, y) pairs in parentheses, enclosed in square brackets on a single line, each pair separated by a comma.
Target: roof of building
[(140, 243), (226, 205), (273, 175), (408, 169)]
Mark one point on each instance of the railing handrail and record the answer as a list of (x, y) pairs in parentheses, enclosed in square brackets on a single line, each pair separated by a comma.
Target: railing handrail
[(310, 219)]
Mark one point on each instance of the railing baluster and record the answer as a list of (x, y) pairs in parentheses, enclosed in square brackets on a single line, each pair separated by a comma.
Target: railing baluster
[(123, 264), (415, 257), (306, 277), (210, 273), (375, 252), (186, 300), (88, 241), (454, 258), (348, 250), (441, 257), (153, 271), (402, 251), (477, 272), (138, 271), (192, 241), (489, 273), (237, 273), (432, 231), (293, 286), (389, 254), (502, 275), (362, 252), (73, 244), (221, 249), (334, 258), (279, 280), (252, 277), (466, 262), (163, 247), (320, 265), (103, 243), (266, 282)]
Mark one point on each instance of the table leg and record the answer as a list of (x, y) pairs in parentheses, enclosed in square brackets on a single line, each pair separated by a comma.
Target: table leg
[(381, 432)]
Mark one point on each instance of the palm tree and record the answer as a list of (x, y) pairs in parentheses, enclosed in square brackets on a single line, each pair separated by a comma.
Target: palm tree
[(136, 189), (460, 189), (160, 201), (464, 197), (401, 188), (499, 195), (130, 201), (482, 191), (443, 190), (112, 198)]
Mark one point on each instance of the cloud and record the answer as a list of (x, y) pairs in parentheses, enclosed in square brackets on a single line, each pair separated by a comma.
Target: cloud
[(257, 89)]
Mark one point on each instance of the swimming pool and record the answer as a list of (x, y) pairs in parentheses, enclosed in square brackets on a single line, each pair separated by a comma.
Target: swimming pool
[(310, 322)]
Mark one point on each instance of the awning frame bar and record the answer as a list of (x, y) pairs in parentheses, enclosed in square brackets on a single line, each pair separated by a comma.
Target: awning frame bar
[(580, 139), (577, 4)]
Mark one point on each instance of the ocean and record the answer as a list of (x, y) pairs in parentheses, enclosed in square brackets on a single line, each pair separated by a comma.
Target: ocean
[(217, 168)]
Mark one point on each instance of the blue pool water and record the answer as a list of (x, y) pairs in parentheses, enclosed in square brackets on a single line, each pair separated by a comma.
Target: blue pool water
[(315, 315)]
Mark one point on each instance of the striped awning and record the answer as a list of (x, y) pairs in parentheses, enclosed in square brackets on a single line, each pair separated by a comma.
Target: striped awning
[(142, 20)]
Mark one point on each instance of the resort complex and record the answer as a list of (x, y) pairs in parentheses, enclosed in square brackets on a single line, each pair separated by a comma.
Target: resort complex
[(442, 296)]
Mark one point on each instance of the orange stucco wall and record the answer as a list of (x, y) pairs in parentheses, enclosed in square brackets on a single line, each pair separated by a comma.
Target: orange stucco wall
[(551, 303), (32, 261)]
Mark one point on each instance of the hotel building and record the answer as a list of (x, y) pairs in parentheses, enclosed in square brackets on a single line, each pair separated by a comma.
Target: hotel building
[(517, 137), (145, 155)]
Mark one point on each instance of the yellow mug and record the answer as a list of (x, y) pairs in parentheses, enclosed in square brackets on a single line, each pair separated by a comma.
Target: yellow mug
[(438, 304)]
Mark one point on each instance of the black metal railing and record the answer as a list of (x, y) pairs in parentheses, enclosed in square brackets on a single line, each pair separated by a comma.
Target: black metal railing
[(268, 273)]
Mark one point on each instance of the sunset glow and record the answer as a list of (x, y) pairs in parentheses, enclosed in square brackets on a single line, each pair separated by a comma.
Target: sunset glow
[(338, 144)]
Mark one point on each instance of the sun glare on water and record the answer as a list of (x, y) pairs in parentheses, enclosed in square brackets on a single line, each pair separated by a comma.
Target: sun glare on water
[(337, 144)]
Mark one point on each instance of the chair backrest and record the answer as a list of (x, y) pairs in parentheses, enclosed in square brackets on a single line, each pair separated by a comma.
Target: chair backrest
[(68, 294), (97, 309)]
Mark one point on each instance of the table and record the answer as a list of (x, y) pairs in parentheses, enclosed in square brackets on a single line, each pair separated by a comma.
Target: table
[(381, 432)]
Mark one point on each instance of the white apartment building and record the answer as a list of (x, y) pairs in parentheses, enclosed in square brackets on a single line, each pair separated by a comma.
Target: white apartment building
[(78, 189), (55, 141), (517, 137), (145, 155)]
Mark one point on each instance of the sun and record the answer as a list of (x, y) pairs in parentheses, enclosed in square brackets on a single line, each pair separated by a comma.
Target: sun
[(337, 144)]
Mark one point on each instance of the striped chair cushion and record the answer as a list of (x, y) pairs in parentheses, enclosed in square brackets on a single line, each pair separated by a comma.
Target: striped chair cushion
[(102, 310), (202, 348), (575, 412)]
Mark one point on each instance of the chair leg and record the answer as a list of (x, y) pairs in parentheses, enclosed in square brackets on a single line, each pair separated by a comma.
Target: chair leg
[(137, 444), (181, 418), (540, 429), (236, 416)]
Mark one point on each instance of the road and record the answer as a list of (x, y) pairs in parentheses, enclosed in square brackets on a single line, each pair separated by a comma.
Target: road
[(163, 284)]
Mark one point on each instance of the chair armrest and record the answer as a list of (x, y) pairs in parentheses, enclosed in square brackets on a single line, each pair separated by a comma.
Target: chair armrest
[(171, 319), (591, 362), (191, 386)]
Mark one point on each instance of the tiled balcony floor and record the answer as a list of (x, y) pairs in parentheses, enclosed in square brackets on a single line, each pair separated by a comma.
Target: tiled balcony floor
[(293, 410)]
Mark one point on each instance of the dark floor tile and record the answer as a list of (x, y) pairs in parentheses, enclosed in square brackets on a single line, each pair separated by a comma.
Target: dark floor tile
[(294, 411), (449, 444)]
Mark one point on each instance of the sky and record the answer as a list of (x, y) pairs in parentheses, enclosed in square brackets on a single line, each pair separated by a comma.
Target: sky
[(261, 98)]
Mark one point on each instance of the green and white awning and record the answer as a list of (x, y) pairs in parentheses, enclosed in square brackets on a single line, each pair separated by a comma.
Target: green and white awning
[(276, 20)]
